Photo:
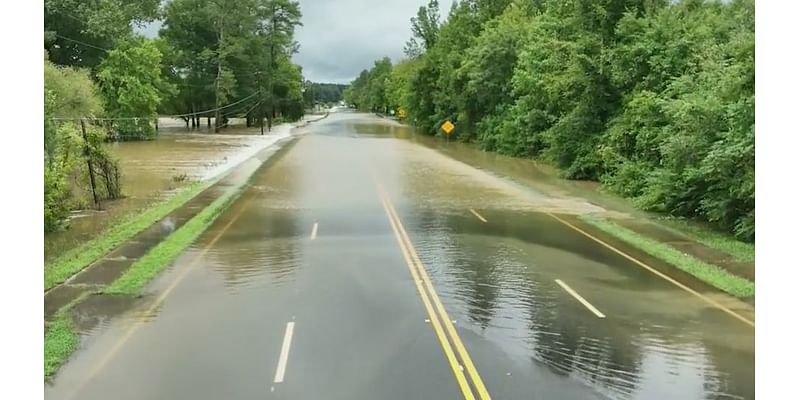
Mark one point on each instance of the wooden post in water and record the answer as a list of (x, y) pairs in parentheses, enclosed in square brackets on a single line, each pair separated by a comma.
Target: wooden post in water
[(89, 161)]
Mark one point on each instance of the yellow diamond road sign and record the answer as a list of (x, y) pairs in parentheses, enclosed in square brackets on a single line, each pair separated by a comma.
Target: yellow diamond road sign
[(448, 127)]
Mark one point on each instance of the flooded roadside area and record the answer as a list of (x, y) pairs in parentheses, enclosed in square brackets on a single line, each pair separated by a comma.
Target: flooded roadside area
[(527, 174), (545, 189), (153, 170)]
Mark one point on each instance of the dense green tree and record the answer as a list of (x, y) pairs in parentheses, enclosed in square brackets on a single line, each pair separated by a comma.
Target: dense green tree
[(68, 93), (376, 86), (683, 142), (70, 96), (488, 68), (398, 86), (219, 58), (227, 50), (369, 90), (653, 98), (326, 92), (131, 83), (77, 32), (424, 29), (309, 94), (356, 93)]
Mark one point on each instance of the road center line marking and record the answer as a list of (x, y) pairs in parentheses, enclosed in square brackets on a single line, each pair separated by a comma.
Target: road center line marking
[(447, 321), (478, 215), (434, 319), (580, 298), (314, 231), (405, 243), (284, 358), (655, 271), (420, 277)]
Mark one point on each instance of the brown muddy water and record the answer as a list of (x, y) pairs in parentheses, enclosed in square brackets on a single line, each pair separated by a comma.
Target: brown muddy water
[(524, 174), (520, 174), (311, 242), (152, 170)]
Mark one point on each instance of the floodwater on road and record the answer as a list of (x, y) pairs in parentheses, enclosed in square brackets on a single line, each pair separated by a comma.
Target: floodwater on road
[(522, 172), (321, 268)]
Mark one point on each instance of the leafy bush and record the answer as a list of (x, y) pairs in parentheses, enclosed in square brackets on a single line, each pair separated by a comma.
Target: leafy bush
[(70, 96)]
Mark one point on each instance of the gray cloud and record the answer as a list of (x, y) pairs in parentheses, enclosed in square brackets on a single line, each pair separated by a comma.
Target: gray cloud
[(339, 38)]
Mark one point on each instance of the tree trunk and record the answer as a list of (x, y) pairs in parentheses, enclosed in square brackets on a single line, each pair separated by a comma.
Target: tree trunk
[(219, 78), (89, 162), (209, 121), (272, 65)]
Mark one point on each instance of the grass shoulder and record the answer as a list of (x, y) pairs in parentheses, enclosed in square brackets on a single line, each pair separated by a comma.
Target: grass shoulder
[(740, 251), (61, 340), (74, 260), (708, 273), (163, 254)]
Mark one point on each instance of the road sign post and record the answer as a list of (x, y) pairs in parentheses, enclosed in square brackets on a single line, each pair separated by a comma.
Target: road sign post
[(448, 127)]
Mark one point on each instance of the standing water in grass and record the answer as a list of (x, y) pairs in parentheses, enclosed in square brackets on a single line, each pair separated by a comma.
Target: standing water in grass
[(156, 169)]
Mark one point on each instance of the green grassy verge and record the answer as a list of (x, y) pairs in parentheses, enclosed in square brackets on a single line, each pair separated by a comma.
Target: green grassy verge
[(66, 265), (61, 340), (740, 251), (711, 274), (164, 253)]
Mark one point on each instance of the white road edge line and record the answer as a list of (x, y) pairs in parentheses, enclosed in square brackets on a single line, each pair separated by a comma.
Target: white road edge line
[(581, 299), (284, 358), (314, 231), (478, 215)]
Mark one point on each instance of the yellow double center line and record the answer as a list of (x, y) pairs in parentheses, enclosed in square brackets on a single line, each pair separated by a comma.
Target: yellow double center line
[(442, 324)]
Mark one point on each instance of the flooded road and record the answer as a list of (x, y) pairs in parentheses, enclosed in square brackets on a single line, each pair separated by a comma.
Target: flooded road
[(360, 265)]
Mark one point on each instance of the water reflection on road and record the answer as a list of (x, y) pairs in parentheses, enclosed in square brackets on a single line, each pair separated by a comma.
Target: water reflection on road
[(361, 330)]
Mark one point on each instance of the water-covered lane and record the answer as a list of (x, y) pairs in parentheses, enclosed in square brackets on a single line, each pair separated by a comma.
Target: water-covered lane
[(360, 328)]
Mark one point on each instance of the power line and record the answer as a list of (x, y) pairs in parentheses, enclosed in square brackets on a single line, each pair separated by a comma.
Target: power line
[(248, 73), (215, 109), (166, 116), (247, 112), (238, 108), (226, 124), (235, 70), (83, 43), (252, 108)]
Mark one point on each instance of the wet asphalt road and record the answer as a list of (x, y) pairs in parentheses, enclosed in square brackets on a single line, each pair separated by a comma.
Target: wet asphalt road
[(304, 289)]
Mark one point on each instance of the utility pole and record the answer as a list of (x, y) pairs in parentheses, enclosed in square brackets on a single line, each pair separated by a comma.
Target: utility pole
[(272, 68), (218, 114), (260, 98), (88, 155)]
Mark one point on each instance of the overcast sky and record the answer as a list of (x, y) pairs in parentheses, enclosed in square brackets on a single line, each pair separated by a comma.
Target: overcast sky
[(339, 38)]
